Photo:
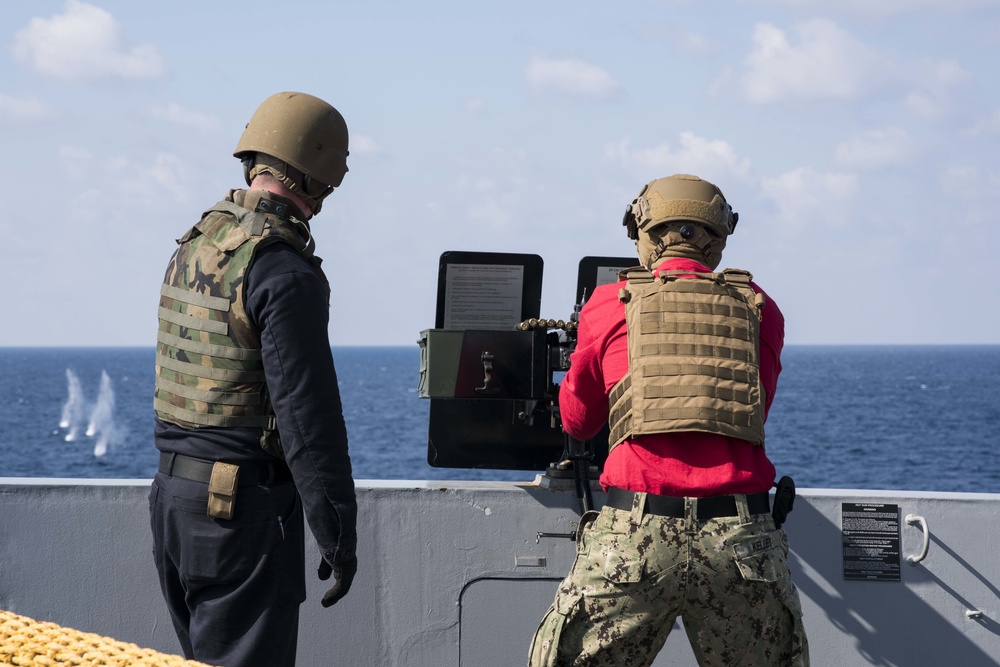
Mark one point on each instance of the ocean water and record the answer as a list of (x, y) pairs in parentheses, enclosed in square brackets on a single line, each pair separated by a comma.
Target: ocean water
[(869, 417)]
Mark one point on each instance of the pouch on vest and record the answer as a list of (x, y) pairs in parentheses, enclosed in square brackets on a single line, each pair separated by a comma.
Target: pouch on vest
[(222, 490)]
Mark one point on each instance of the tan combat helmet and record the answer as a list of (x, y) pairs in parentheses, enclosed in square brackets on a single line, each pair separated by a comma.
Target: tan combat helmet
[(659, 220), (304, 132)]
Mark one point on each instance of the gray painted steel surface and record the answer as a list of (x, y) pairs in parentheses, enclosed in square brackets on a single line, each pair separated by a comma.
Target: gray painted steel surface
[(452, 573)]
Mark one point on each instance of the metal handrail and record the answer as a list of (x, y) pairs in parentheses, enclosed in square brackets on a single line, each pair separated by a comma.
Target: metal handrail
[(914, 519)]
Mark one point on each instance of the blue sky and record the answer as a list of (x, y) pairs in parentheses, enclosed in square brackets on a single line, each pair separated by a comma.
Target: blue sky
[(857, 140)]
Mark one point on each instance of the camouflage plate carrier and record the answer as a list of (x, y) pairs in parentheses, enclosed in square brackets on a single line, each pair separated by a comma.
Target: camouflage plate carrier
[(208, 356)]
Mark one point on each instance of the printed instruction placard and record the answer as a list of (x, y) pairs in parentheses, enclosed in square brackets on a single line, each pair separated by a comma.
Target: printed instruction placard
[(871, 541), (607, 274), (483, 296)]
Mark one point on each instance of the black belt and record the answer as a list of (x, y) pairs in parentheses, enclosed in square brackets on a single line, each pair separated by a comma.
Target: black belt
[(673, 506), (251, 473)]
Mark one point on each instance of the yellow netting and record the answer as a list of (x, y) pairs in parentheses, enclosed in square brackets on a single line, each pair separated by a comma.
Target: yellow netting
[(25, 641)]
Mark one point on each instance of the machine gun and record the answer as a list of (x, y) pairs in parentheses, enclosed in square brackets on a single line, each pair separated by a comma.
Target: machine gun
[(491, 368)]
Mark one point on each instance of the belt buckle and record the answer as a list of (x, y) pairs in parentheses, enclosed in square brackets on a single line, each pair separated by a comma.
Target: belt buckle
[(690, 515)]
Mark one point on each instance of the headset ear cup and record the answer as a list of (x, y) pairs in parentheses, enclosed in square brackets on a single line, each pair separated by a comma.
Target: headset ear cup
[(247, 166), (628, 221)]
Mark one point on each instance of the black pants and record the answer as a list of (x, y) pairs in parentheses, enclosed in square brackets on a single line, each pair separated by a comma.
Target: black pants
[(233, 587)]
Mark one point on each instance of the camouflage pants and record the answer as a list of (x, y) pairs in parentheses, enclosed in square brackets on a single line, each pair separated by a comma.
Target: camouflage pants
[(635, 573)]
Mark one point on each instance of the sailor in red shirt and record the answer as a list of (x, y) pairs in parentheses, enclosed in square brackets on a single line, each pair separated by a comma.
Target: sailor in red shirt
[(683, 363), (685, 463)]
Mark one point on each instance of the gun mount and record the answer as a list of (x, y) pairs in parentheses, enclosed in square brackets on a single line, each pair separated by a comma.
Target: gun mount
[(491, 366)]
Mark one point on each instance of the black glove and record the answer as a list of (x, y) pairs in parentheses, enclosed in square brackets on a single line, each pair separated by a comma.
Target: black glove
[(784, 498), (342, 573)]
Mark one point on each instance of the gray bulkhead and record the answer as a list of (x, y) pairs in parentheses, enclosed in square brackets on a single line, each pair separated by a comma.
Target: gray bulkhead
[(455, 574)]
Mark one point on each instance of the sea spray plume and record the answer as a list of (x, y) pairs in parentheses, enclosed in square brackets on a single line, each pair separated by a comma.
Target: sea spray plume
[(72, 413), (102, 422)]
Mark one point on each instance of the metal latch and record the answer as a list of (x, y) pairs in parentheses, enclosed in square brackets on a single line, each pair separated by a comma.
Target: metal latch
[(487, 359)]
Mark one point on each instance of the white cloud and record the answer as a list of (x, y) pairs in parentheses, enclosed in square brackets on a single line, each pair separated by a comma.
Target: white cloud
[(176, 114), (574, 78), (806, 198), (932, 81), (84, 43), (128, 176), (926, 106), (688, 43), (881, 8), (496, 189), (826, 63), (75, 161), (942, 73), (721, 87), (712, 159), (985, 126), (970, 183), (361, 144), (973, 196), (24, 110), (475, 105), (167, 172), (877, 148)]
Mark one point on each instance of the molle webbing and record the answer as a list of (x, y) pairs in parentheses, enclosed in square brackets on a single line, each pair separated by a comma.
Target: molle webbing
[(693, 357), (200, 382)]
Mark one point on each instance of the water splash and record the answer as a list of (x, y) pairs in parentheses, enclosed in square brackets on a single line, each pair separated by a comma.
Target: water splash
[(72, 413), (102, 424)]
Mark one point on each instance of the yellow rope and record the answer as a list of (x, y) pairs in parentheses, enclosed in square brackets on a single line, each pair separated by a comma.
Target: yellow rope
[(25, 641)]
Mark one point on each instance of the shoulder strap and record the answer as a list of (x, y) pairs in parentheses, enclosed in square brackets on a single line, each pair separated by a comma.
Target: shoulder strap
[(228, 234), (637, 274), (251, 221), (740, 280), (737, 276)]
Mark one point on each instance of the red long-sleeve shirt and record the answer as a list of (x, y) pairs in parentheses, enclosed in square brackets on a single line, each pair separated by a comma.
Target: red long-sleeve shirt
[(678, 464)]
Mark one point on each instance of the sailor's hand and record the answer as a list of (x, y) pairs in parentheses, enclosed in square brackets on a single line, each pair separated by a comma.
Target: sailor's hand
[(343, 575)]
